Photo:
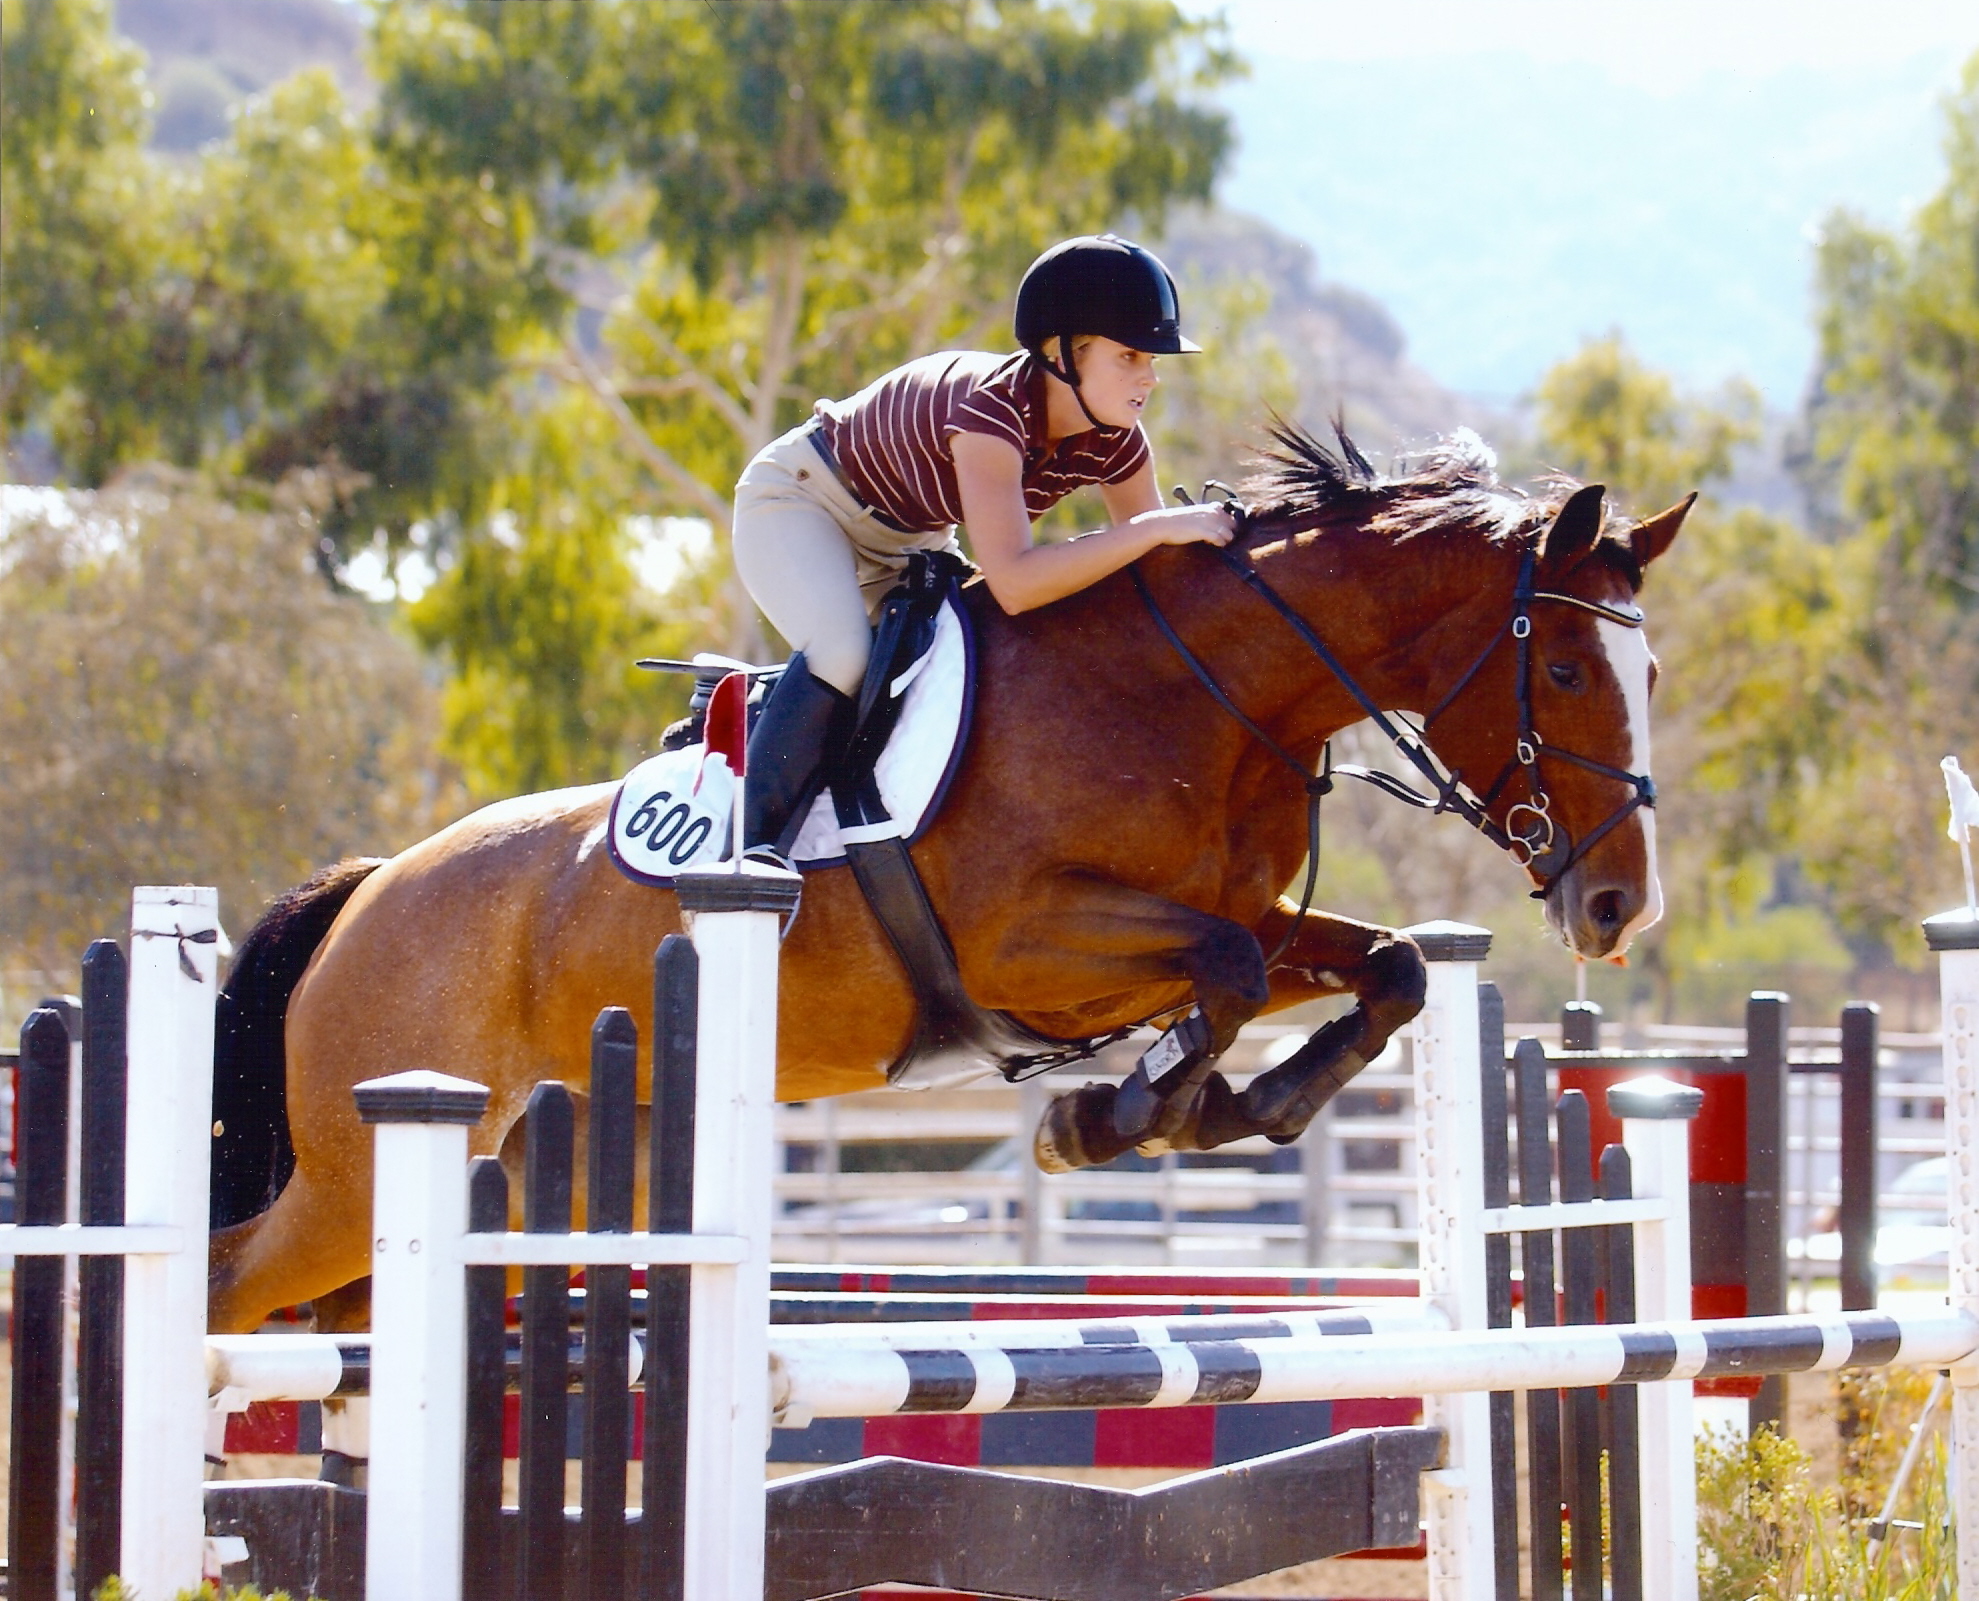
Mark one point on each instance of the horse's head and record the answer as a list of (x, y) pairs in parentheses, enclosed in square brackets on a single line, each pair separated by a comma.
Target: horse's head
[(1509, 625), (1548, 725)]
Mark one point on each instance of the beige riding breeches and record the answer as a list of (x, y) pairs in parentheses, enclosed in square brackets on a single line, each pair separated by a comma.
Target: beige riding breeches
[(816, 560)]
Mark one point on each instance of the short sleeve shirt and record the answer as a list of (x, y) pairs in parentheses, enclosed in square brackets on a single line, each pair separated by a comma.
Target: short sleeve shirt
[(891, 439)]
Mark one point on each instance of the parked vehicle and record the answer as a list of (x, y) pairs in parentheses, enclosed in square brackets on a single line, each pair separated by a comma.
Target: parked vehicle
[(1913, 1228)]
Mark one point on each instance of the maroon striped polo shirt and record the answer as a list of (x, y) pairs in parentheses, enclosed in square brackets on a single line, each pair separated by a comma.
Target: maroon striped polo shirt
[(891, 438)]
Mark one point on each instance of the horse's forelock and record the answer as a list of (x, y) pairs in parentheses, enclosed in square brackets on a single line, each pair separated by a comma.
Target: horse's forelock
[(1616, 551)]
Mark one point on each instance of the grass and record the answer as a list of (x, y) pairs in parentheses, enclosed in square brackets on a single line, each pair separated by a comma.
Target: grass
[(1768, 1531)]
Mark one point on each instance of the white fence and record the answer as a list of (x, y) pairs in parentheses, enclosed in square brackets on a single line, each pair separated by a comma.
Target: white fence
[(422, 1245), (1343, 1197)]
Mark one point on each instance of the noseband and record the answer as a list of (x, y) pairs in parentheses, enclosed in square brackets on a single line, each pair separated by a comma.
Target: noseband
[(1530, 832)]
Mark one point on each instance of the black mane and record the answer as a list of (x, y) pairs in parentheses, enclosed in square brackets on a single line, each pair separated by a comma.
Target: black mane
[(1303, 479)]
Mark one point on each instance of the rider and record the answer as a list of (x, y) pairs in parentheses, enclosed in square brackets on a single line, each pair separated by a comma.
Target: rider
[(826, 515)]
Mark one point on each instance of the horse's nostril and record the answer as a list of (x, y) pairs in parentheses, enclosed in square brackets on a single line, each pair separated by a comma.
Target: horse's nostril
[(1608, 909)]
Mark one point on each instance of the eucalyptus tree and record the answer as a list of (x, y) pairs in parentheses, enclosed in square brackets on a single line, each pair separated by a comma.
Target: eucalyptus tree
[(1893, 418), (746, 207)]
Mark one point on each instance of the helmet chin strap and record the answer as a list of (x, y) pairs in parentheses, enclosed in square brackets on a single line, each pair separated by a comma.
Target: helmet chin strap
[(1068, 374)]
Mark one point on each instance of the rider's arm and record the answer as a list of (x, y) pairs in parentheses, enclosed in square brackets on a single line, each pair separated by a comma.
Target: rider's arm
[(1021, 575), (1132, 496)]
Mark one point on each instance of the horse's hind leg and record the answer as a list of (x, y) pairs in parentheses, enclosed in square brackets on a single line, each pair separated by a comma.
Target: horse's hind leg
[(1331, 956), (307, 1244)]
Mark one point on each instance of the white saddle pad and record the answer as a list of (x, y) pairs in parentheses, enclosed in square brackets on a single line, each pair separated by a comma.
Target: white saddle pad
[(674, 812)]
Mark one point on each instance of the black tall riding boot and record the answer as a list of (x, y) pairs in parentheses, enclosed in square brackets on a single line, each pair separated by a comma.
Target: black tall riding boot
[(796, 737)]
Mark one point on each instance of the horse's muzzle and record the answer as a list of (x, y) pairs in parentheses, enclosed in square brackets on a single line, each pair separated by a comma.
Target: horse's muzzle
[(1597, 914)]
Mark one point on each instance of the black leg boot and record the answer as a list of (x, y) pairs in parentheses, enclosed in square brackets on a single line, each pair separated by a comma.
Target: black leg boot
[(796, 739)]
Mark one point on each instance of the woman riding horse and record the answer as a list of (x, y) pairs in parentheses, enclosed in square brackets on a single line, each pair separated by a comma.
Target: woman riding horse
[(1102, 857), (825, 516)]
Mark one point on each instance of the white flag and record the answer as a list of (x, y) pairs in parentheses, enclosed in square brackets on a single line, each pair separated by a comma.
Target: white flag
[(1964, 799)]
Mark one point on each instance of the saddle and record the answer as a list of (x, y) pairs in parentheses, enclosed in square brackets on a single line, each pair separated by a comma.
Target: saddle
[(954, 1039)]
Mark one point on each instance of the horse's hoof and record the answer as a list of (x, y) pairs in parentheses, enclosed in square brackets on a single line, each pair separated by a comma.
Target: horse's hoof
[(1061, 1144)]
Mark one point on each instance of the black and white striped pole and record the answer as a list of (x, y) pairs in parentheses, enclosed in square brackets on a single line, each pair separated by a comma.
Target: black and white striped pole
[(1955, 938), (848, 1373)]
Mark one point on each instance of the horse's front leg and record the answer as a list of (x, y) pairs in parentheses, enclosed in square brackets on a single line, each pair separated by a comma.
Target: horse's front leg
[(1381, 968), (1136, 940)]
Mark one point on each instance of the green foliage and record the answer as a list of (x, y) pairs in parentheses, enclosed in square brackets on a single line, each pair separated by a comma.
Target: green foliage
[(184, 699), (542, 615), (1812, 683), (1896, 412), (1607, 418), (1768, 1531), (1895, 426), (774, 202), (279, 302), (78, 220)]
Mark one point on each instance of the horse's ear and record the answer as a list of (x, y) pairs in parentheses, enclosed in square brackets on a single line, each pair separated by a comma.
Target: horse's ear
[(1651, 537), (1575, 530)]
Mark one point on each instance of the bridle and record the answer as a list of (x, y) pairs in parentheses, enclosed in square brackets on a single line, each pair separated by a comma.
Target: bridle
[(1530, 833), (1541, 844)]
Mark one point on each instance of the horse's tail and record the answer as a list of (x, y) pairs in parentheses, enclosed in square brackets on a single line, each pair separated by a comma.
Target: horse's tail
[(252, 1156)]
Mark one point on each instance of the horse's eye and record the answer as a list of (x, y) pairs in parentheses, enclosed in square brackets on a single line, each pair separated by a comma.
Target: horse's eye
[(1566, 675)]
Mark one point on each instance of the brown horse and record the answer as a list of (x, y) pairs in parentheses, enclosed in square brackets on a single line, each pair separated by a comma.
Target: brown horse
[(1112, 849)]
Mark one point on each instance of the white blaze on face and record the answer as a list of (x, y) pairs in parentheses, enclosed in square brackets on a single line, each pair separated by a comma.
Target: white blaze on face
[(1629, 659)]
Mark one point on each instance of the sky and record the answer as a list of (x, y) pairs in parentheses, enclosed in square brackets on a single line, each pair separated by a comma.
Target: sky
[(1511, 177)]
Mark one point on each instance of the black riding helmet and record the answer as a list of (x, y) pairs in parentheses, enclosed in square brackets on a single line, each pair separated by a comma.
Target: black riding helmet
[(1098, 285)]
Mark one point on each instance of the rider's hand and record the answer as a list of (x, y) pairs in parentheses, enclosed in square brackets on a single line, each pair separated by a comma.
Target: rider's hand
[(1188, 525)]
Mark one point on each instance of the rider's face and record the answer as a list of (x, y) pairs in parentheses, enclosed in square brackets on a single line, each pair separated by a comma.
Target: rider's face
[(1115, 381)]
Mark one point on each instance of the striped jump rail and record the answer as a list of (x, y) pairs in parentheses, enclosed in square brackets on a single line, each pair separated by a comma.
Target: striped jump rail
[(847, 1373), (313, 1367)]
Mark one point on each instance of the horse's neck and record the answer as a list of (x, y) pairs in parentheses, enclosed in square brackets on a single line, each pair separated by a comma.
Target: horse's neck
[(1390, 611)]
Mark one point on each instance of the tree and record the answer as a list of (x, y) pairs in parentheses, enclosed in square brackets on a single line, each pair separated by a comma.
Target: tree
[(183, 699), (78, 218), (769, 203), (284, 300), (1746, 617), (1895, 408), (543, 614), (1894, 421), (1606, 417)]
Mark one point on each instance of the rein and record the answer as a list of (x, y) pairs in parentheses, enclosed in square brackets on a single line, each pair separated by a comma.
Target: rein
[(1538, 844)]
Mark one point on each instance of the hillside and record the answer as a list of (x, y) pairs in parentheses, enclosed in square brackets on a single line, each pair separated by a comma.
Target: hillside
[(207, 55), (1346, 350)]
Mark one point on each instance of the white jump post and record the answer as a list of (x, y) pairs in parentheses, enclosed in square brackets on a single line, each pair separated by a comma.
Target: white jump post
[(174, 980), (1656, 1116), (1449, 1222), (1955, 937), (412, 1545), (735, 919)]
